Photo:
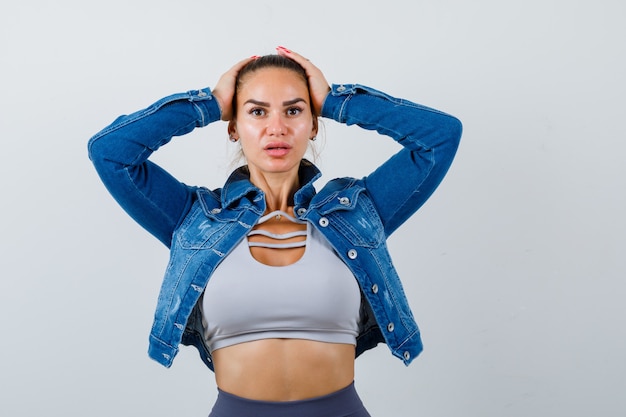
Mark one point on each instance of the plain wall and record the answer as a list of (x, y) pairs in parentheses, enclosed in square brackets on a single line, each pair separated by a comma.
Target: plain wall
[(515, 268)]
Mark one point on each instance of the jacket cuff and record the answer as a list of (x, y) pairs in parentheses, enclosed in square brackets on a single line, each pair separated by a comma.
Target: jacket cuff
[(207, 106), (340, 94), (334, 102)]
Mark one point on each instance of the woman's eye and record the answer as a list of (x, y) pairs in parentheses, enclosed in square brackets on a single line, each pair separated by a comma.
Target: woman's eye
[(293, 111), (257, 112)]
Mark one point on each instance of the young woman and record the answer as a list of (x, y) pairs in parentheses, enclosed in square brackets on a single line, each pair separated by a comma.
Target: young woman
[(278, 285)]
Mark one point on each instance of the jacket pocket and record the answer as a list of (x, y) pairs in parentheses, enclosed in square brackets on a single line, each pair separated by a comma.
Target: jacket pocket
[(353, 215), (199, 231)]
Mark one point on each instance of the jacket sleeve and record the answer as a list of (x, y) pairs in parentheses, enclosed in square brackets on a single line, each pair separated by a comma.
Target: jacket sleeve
[(429, 138), (120, 152)]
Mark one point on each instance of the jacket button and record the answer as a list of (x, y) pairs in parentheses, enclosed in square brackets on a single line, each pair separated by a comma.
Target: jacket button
[(323, 222), (352, 254), (407, 356), (375, 288), (201, 94), (344, 201), (341, 88), (390, 327), (216, 211), (301, 211)]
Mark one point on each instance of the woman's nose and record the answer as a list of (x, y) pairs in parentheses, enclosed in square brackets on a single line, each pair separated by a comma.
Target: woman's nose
[(276, 125)]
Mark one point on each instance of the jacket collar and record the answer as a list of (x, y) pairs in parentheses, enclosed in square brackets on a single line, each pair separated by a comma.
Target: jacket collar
[(239, 186)]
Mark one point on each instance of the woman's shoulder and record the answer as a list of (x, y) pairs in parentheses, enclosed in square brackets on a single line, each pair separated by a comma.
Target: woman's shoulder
[(209, 199), (339, 191)]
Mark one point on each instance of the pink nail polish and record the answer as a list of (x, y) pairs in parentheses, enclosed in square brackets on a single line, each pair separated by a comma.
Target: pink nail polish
[(284, 49)]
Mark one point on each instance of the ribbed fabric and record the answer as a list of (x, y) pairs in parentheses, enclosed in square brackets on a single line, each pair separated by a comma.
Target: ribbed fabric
[(342, 403)]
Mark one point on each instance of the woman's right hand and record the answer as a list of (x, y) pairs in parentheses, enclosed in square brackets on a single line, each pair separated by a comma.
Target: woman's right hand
[(224, 90)]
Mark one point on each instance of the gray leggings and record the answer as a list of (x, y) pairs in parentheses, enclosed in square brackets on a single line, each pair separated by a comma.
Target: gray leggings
[(342, 403)]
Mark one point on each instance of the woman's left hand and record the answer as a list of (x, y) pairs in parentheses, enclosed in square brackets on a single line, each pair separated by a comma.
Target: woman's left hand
[(318, 86)]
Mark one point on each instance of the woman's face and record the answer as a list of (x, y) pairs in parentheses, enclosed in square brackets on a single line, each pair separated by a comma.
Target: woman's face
[(274, 122)]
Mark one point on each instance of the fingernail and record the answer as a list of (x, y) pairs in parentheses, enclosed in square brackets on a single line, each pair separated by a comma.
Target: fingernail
[(255, 57), (284, 49)]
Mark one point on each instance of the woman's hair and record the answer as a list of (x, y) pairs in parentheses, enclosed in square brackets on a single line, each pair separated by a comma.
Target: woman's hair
[(269, 61)]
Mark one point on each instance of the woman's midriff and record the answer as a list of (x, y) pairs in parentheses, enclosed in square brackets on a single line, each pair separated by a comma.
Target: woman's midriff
[(284, 369)]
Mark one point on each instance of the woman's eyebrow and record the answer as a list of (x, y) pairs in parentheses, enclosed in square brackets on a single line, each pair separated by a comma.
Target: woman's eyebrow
[(257, 102), (265, 104), (294, 101)]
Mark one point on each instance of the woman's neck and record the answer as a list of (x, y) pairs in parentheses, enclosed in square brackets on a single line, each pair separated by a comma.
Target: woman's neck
[(279, 189)]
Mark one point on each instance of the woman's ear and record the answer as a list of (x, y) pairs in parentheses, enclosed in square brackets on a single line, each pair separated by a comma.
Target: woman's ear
[(232, 130), (315, 128)]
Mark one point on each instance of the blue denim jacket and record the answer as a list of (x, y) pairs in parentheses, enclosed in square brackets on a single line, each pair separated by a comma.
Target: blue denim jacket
[(202, 226)]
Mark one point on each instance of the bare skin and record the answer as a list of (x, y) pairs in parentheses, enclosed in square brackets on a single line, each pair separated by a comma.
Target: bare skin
[(284, 369), (275, 120)]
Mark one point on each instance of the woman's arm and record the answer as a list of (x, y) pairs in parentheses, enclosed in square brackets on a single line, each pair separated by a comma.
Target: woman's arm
[(430, 139), (120, 152)]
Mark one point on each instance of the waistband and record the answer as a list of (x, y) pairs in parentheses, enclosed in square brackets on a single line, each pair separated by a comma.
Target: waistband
[(342, 403)]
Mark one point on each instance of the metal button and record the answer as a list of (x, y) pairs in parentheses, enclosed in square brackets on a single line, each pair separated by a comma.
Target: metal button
[(216, 211), (344, 201), (341, 88), (301, 211), (352, 254), (323, 222), (407, 355), (201, 94), (390, 327), (375, 288)]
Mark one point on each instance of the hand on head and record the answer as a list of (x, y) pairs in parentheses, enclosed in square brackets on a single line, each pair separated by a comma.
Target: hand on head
[(224, 90), (318, 85)]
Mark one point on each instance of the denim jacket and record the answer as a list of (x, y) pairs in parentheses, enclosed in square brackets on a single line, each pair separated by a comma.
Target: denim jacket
[(202, 226)]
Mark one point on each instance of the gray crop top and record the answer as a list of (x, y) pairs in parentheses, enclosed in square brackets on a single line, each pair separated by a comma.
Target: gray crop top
[(316, 298)]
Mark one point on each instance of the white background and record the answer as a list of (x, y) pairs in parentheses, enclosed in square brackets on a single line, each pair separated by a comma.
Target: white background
[(515, 268)]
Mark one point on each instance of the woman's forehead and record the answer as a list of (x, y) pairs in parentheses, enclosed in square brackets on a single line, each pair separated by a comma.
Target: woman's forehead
[(273, 76), (273, 81)]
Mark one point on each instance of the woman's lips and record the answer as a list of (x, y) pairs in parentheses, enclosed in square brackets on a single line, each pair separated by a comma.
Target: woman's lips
[(277, 148)]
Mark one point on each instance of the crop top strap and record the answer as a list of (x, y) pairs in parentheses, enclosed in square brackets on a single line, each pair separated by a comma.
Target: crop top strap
[(277, 245), (278, 236), (279, 214)]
